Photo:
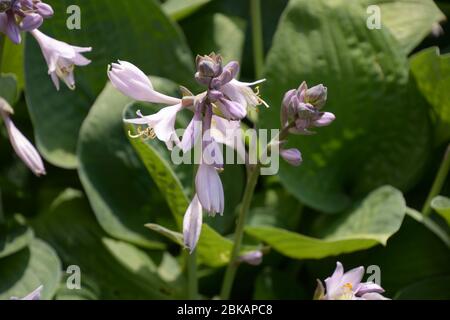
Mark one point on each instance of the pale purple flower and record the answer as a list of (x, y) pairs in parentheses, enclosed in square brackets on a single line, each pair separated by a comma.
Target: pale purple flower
[(349, 286), (22, 15), (35, 295), (61, 58), (292, 156), (301, 109), (209, 189), (160, 125), (253, 258), (230, 97), (132, 82), (21, 145), (192, 224)]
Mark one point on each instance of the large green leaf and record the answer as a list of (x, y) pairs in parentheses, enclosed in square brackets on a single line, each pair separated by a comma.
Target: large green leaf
[(14, 236), (122, 195), (432, 73), (132, 30), (179, 9), (431, 289), (26, 270), (411, 28), (381, 120), (373, 222), (442, 206), (111, 268)]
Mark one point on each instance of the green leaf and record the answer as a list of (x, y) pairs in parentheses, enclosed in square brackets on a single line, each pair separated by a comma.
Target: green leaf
[(179, 9), (175, 237), (156, 159), (432, 73), (373, 222), (142, 34), (113, 269), (8, 88), (430, 289), (12, 61), (409, 29), (14, 236), (218, 33), (381, 119), (122, 195), (26, 270), (442, 206)]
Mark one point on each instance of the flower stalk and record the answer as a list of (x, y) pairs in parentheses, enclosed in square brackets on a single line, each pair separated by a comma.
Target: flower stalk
[(438, 182), (257, 33), (192, 275), (239, 233)]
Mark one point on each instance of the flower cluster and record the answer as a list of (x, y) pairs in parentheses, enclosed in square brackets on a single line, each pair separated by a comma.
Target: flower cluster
[(23, 148), (301, 111), (216, 112), (22, 15), (348, 286), (28, 15)]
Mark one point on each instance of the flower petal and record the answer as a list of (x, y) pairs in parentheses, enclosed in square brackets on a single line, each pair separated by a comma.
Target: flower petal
[(192, 224)]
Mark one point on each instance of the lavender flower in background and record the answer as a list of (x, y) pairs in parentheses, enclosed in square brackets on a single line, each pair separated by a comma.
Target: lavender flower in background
[(253, 258), (28, 15), (348, 286), (35, 295), (61, 58), (22, 15), (21, 145), (301, 111)]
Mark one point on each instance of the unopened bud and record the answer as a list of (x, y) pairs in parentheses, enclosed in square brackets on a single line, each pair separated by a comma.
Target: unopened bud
[(317, 96)]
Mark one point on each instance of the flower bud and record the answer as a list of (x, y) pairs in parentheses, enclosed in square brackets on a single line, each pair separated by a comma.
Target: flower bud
[(31, 21), (5, 5), (45, 10), (317, 96), (209, 66), (292, 156), (253, 258)]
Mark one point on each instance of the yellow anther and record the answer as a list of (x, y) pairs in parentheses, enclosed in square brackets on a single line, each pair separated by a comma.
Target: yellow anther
[(348, 285), (147, 133)]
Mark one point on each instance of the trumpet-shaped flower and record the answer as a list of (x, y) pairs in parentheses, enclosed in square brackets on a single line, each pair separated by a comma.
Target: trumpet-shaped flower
[(160, 125), (21, 145), (132, 82), (192, 224), (61, 58), (349, 286), (209, 189)]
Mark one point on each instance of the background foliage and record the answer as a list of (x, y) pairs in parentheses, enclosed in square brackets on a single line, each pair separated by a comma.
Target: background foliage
[(353, 199)]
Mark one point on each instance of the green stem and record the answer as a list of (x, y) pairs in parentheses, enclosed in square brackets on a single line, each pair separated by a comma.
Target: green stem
[(192, 276), (257, 33), (2, 213), (239, 234), (2, 47), (438, 182)]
